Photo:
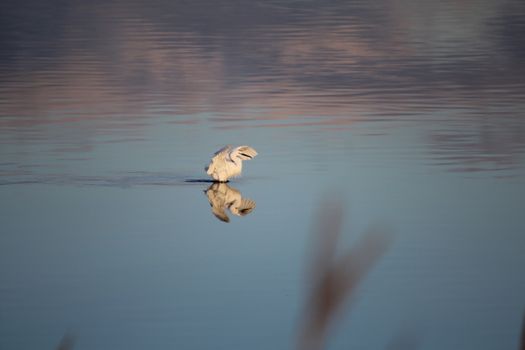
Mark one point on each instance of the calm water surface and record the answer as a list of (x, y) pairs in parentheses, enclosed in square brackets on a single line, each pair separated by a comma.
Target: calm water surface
[(410, 114)]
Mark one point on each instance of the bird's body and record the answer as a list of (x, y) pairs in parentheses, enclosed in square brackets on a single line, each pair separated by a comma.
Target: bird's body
[(227, 162)]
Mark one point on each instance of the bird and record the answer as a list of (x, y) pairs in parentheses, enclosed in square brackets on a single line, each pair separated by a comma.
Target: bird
[(222, 197), (227, 162)]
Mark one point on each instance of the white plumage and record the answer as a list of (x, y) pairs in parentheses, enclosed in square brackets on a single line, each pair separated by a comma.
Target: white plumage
[(227, 162), (222, 197)]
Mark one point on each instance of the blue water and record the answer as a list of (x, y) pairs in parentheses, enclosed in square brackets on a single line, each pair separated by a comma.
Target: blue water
[(410, 115)]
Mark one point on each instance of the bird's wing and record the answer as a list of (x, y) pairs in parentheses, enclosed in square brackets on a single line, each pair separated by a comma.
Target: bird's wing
[(246, 207), (226, 149), (243, 152), (220, 214)]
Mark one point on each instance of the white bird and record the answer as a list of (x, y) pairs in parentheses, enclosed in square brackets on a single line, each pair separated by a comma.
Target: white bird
[(227, 162), (222, 197)]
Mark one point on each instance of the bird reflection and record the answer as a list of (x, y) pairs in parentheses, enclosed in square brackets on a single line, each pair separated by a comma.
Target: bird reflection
[(223, 197)]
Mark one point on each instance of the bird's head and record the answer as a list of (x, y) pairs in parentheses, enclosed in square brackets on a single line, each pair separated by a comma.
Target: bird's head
[(209, 169)]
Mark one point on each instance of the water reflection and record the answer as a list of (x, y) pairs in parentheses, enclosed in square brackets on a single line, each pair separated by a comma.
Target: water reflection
[(222, 197), (479, 147), (307, 64)]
